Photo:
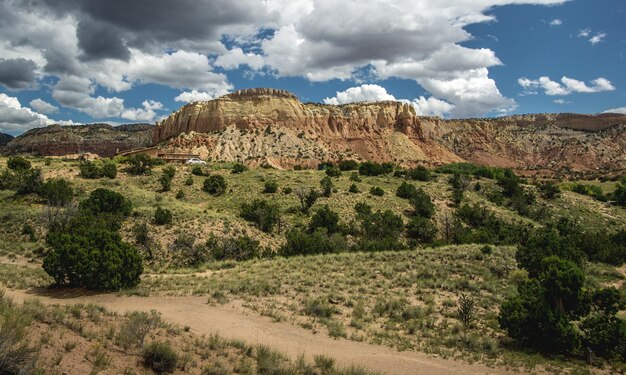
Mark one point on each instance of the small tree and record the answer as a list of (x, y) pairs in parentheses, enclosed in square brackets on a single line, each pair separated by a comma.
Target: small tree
[(348, 165), (421, 229), (109, 169), (162, 216), (18, 163), (57, 191), (266, 215), (419, 173), (166, 182), (307, 198), (270, 187), (333, 171), (466, 309), (198, 170), (406, 190), (377, 191), (619, 195), (89, 170), (325, 218), (353, 189), (327, 186), (215, 185), (106, 201), (239, 168), (422, 204), (140, 164)]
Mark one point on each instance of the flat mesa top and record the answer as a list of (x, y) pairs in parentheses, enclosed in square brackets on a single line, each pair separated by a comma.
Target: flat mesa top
[(261, 91)]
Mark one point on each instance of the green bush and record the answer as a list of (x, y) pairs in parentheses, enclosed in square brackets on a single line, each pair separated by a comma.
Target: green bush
[(266, 215), (333, 171), (422, 204), (270, 187), (369, 168), (162, 216), (140, 164), (421, 229), (109, 169), (457, 197), (106, 201), (406, 190), (307, 198), (26, 181), (89, 170), (326, 218), (549, 190), (239, 168), (354, 176), (18, 163), (166, 182), (28, 230), (300, 242), (169, 171), (353, 189), (189, 181), (215, 185), (348, 165), (619, 195), (287, 190), (180, 195), (237, 248), (160, 357), (327, 186), (419, 173), (57, 192), (377, 191), (198, 170), (92, 257)]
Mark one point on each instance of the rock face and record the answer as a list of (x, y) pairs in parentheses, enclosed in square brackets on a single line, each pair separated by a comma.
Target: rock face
[(273, 126), (100, 139)]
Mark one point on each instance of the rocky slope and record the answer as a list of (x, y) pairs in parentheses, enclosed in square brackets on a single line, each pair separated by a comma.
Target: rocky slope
[(273, 126), (266, 125), (100, 139), (4, 139)]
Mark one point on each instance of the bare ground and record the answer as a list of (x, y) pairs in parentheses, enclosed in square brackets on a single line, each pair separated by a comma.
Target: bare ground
[(235, 322)]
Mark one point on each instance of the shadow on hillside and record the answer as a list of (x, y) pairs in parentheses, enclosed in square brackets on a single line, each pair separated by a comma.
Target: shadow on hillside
[(61, 292)]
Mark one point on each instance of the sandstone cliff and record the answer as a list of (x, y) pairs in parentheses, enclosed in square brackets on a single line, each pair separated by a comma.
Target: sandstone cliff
[(101, 139), (275, 126)]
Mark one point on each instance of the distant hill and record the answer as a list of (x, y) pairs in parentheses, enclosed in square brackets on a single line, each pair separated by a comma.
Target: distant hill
[(100, 139), (4, 139)]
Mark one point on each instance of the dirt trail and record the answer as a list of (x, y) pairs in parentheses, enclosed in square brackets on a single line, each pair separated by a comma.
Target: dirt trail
[(233, 321)]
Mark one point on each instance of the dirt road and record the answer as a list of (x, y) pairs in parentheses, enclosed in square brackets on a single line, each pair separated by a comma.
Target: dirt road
[(233, 321)]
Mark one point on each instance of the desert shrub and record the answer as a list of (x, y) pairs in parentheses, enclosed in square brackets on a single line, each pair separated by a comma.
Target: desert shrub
[(353, 189), (17, 356), (619, 195), (140, 233), (215, 185), (136, 327), (199, 170), (333, 171), (377, 191), (459, 181), (369, 168), (18, 163), (541, 315), (92, 257), (380, 230), (23, 181), (189, 181), (319, 307), (169, 171), (590, 190), (287, 190), (354, 176), (549, 190), (466, 309), (160, 357), (140, 164), (406, 190), (89, 169), (109, 169), (233, 248), (422, 204), (166, 182), (326, 218), (482, 226), (239, 168), (28, 230), (180, 195), (162, 216), (348, 165), (472, 169), (457, 196), (421, 229), (57, 192), (266, 215), (327, 186), (106, 201), (419, 173), (270, 187), (300, 242), (307, 198)]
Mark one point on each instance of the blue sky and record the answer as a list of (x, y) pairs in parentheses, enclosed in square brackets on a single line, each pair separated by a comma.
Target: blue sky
[(104, 61)]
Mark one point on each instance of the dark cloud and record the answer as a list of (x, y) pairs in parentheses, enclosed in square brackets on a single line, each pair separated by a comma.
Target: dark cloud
[(17, 73), (100, 41)]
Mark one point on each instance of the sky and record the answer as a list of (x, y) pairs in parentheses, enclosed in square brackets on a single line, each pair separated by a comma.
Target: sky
[(113, 61)]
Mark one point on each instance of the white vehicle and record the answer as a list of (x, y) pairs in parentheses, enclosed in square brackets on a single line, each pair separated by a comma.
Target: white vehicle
[(195, 161)]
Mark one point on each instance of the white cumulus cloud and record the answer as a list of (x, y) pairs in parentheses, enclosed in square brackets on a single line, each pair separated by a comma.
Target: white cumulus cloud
[(567, 86), (43, 106), (194, 96)]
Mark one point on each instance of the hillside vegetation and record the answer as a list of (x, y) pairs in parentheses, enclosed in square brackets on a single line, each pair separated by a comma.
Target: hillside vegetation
[(411, 259)]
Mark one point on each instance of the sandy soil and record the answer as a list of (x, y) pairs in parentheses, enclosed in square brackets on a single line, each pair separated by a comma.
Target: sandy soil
[(233, 321)]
